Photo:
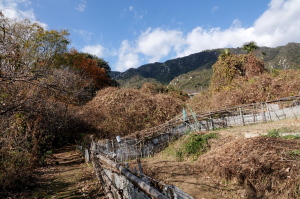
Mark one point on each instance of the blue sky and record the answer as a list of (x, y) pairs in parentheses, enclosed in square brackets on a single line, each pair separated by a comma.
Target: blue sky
[(130, 33)]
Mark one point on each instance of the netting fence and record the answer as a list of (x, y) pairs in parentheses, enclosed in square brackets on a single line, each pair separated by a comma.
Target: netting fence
[(110, 156)]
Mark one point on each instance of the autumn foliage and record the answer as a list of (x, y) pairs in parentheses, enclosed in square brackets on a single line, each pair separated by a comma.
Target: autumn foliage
[(89, 67), (37, 87)]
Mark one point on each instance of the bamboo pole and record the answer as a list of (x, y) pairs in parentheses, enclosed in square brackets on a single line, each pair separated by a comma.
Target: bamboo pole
[(107, 191), (110, 185), (142, 185)]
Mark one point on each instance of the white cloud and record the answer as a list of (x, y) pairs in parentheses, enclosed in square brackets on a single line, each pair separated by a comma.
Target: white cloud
[(138, 14), (214, 9), (97, 50), (200, 39), (127, 57), (151, 44), (158, 43), (12, 9), (81, 6), (86, 35), (278, 25)]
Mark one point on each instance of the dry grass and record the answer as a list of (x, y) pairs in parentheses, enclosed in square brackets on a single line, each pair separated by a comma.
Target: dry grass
[(264, 87), (266, 167), (123, 111)]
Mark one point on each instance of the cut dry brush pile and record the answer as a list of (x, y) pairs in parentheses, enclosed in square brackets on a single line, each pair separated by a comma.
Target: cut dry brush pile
[(123, 111), (261, 88), (266, 167), (243, 79)]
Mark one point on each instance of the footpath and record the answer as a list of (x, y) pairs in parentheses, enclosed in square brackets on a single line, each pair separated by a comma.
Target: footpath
[(66, 175)]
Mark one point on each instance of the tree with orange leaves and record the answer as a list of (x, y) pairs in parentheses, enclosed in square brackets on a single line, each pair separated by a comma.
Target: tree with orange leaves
[(89, 66)]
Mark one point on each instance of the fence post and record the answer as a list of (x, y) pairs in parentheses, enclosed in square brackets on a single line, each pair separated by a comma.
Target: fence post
[(212, 122), (97, 168), (263, 115), (253, 114), (268, 109), (207, 125), (142, 184), (140, 168), (242, 116)]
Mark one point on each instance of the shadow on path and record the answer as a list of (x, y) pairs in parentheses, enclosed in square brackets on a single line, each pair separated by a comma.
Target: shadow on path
[(66, 175)]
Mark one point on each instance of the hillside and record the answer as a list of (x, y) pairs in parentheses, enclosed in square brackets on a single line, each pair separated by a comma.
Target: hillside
[(193, 81), (282, 57), (165, 72)]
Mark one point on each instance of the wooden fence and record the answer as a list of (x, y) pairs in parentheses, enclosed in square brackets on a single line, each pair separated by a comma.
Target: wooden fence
[(108, 155), (147, 142), (118, 181)]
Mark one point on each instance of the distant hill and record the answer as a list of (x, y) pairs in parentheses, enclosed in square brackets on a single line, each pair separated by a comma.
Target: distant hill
[(282, 57), (165, 72), (193, 81)]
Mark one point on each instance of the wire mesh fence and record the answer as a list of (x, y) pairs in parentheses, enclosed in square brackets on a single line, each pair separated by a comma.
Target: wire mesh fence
[(148, 142), (115, 152)]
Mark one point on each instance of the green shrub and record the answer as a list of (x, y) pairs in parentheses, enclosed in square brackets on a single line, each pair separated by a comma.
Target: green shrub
[(295, 153), (273, 133), (293, 137), (195, 145), (279, 133)]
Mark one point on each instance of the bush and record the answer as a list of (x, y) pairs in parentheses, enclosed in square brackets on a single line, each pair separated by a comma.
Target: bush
[(194, 145), (279, 133), (16, 172), (266, 167), (230, 67)]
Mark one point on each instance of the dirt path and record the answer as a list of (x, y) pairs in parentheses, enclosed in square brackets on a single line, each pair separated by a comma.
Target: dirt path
[(66, 175), (191, 181)]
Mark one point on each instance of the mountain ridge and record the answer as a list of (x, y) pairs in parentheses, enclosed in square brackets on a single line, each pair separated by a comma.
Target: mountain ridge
[(281, 57)]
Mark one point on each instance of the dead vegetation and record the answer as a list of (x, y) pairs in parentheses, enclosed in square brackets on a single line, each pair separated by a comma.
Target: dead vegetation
[(121, 112), (266, 167), (232, 85), (38, 108), (231, 66), (236, 167)]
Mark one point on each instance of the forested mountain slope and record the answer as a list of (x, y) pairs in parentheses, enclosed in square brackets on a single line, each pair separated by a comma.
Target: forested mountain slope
[(282, 57)]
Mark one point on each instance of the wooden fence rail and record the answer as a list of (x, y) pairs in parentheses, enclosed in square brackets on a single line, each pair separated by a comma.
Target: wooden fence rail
[(149, 141), (120, 182)]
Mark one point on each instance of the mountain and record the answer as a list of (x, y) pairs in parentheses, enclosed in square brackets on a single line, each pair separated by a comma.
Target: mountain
[(282, 57), (193, 81), (165, 72)]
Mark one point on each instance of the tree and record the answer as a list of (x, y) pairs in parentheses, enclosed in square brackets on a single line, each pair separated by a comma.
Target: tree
[(28, 50), (250, 46), (31, 81), (100, 62), (89, 66), (27, 55), (224, 53)]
